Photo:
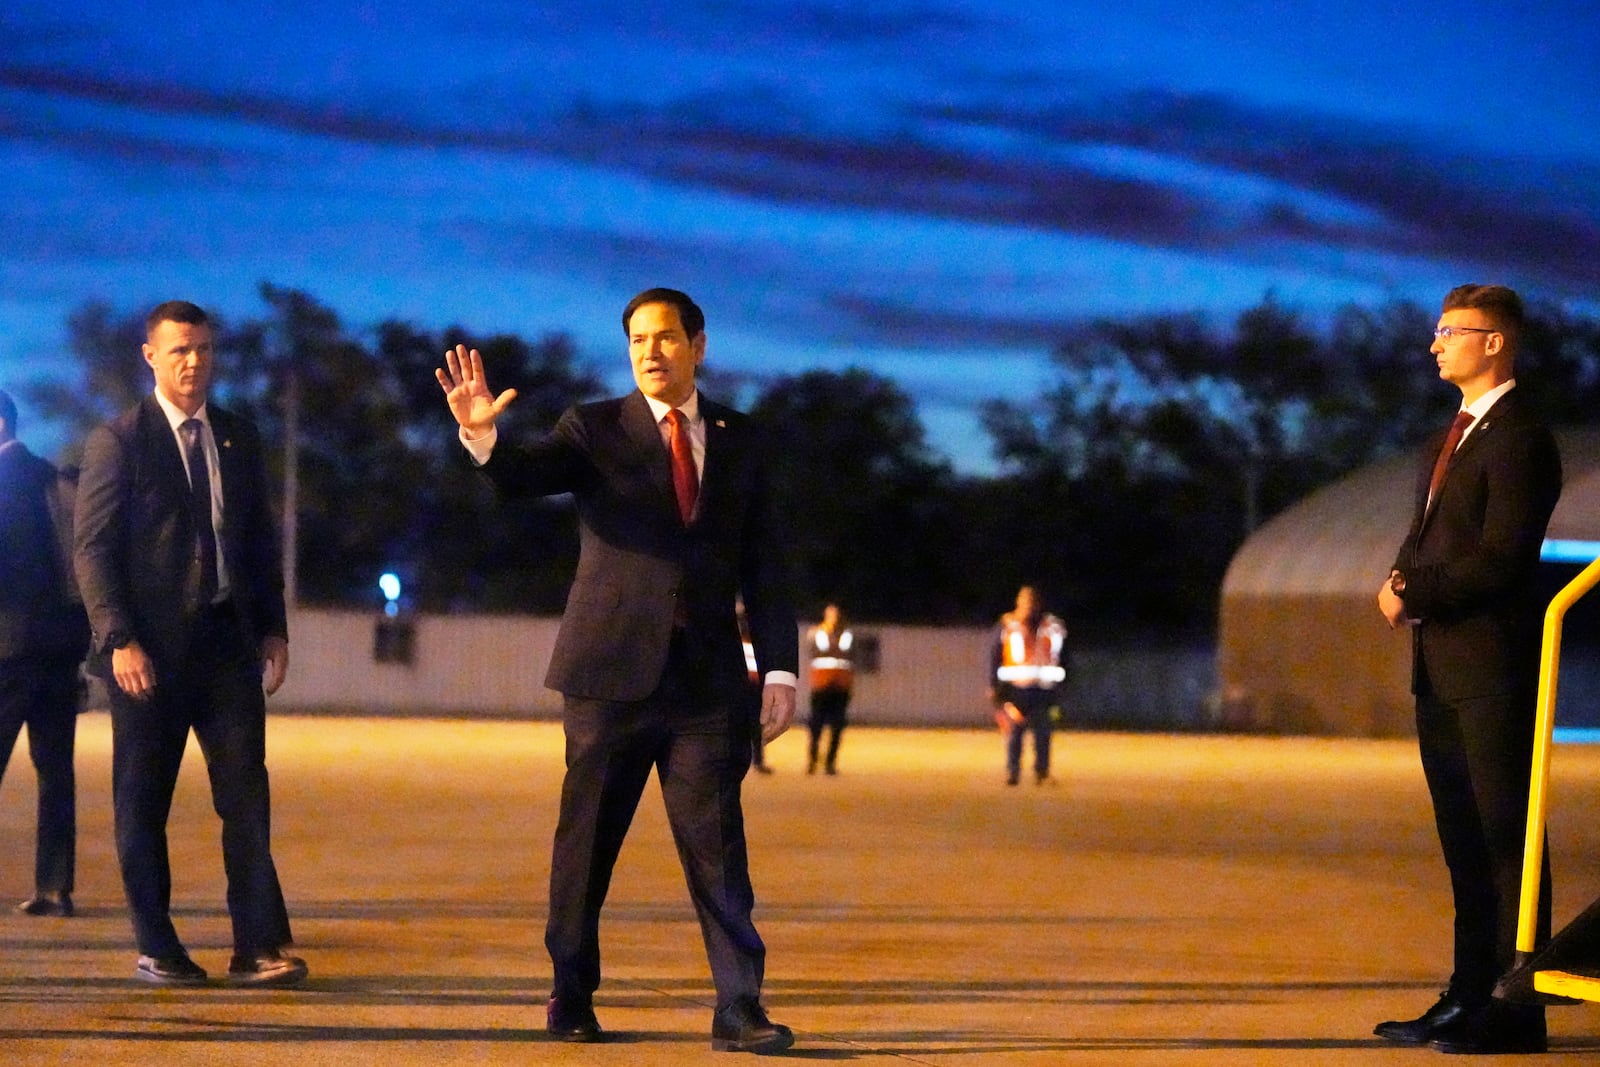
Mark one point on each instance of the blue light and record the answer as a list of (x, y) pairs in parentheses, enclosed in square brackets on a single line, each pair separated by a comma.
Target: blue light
[(390, 584), (1570, 551)]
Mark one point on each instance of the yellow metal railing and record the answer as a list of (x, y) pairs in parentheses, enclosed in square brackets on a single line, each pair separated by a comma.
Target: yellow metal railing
[(1544, 727)]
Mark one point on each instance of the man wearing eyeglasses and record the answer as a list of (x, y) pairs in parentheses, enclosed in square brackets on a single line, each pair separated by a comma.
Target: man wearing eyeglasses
[(1463, 582)]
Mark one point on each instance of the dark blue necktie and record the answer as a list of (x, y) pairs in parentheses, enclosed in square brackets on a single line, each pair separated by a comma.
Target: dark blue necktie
[(194, 448)]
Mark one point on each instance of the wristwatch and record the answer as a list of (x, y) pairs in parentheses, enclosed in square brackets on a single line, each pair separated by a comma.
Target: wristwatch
[(1397, 584)]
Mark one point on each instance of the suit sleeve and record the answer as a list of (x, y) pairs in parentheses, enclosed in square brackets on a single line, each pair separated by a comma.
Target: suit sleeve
[(100, 534), (556, 463), (1523, 484), (263, 557), (1402, 559), (764, 579)]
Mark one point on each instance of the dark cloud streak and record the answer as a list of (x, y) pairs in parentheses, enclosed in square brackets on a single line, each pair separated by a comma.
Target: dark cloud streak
[(1428, 202), (1440, 202)]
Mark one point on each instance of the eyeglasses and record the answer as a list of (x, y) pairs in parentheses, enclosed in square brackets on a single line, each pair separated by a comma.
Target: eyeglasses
[(1445, 333)]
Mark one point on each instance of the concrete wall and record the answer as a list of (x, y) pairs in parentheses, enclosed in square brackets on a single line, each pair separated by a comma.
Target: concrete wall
[(1315, 664), (477, 665)]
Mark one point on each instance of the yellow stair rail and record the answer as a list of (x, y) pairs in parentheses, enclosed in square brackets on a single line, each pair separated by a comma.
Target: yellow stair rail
[(1582, 987)]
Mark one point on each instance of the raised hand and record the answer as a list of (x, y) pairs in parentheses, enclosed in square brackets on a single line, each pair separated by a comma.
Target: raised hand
[(466, 390)]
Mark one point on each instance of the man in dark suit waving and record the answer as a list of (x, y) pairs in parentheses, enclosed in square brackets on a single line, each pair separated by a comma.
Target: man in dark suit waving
[(675, 525), (178, 562), (1464, 582)]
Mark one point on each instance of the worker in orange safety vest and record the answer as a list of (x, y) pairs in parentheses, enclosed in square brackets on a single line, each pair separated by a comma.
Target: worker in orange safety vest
[(1026, 672), (833, 672)]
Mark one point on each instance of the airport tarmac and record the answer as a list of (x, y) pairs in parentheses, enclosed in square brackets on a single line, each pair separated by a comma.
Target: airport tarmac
[(1172, 899)]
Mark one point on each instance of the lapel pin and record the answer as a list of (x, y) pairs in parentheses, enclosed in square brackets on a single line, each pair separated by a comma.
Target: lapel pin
[(722, 424)]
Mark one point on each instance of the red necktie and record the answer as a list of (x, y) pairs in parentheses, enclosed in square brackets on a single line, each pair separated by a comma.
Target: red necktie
[(1458, 430), (685, 482)]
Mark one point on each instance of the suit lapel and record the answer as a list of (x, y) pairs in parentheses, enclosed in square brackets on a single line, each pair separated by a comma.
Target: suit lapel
[(1483, 428), (222, 429), (711, 470), (1476, 436), (644, 436), (161, 445)]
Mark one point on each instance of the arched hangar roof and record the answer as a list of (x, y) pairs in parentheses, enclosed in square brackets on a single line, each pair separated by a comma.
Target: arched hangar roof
[(1342, 539)]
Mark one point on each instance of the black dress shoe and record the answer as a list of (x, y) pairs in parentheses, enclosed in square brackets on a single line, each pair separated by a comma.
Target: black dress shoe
[(57, 904), (177, 969), (569, 1020), (260, 970), (1497, 1028), (743, 1027), (1420, 1031)]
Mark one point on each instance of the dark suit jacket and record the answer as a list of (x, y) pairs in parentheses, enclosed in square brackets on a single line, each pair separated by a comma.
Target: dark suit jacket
[(1471, 560), (638, 562), (39, 610), (134, 544)]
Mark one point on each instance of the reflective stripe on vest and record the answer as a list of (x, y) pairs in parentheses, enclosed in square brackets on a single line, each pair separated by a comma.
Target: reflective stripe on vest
[(1037, 663)]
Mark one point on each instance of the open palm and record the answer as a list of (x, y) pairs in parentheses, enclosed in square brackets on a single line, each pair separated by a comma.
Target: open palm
[(466, 390)]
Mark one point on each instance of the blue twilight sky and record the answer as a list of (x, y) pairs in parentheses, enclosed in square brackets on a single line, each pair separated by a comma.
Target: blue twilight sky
[(932, 190)]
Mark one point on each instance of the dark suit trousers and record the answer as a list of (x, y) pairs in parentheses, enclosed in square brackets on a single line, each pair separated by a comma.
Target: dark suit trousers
[(699, 747), (829, 709), (216, 692), (1477, 756), (41, 692)]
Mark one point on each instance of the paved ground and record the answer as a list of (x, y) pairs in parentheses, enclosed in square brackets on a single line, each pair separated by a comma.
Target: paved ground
[(1174, 900)]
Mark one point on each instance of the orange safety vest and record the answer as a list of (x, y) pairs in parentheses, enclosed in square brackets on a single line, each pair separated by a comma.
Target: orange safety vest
[(1031, 660), (831, 664)]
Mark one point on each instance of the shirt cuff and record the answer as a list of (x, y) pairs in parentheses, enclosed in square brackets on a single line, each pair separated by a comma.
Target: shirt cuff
[(787, 678), (479, 447)]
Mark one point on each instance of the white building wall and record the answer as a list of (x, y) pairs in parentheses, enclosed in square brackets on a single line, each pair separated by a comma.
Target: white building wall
[(494, 665)]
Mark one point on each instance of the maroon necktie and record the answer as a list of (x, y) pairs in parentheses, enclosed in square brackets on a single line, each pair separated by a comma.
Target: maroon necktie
[(1458, 430), (685, 482)]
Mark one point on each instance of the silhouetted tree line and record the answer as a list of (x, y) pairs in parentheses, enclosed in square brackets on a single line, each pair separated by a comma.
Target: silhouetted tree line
[(1123, 491)]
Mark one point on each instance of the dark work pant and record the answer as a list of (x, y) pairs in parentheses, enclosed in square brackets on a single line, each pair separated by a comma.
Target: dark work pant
[(699, 747), (41, 692), (828, 707), (1477, 756), (1035, 707), (217, 693)]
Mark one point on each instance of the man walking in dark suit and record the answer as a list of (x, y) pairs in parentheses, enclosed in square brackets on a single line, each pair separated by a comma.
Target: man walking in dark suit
[(178, 562), (675, 525), (43, 636), (1464, 582)]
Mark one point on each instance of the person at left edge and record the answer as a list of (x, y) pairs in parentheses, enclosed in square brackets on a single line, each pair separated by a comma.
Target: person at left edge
[(177, 559), (675, 524), (43, 637)]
